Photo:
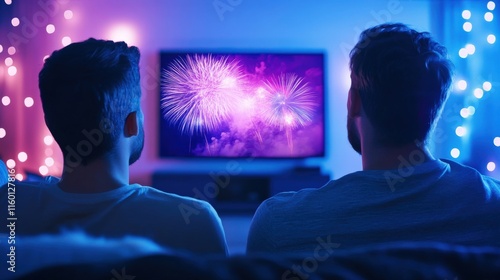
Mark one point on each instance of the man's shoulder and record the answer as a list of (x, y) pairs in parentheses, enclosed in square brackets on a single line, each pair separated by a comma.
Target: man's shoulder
[(152, 195)]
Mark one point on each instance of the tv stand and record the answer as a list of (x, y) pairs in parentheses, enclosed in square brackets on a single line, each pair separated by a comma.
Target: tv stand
[(237, 192)]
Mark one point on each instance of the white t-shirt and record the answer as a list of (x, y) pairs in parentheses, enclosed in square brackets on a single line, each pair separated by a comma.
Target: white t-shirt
[(169, 220), (436, 201)]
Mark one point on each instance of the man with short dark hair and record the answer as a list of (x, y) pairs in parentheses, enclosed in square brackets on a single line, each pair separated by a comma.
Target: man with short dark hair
[(399, 82), (90, 93)]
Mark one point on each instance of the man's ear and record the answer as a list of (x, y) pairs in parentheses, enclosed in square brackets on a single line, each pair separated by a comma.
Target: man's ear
[(131, 125), (354, 103)]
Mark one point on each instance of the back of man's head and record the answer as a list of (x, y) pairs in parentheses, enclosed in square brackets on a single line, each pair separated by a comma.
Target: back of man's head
[(87, 90), (402, 77)]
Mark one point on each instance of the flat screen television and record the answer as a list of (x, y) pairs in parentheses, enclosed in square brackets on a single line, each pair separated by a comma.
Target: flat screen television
[(242, 104)]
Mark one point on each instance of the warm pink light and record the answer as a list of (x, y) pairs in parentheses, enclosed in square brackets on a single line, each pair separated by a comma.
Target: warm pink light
[(123, 32), (2, 132), (66, 40), (50, 28), (22, 156), (68, 14), (5, 101), (11, 50), (12, 70), (15, 21), (48, 140), (9, 61), (28, 102), (10, 163)]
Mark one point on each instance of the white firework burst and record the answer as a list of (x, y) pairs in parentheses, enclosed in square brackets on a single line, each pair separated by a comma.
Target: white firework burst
[(200, 92)]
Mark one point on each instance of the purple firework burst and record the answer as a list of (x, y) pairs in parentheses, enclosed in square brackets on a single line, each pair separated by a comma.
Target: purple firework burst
[(200, 92), (290, 102)]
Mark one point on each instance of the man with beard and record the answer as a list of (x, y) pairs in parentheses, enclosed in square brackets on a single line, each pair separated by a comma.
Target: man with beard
[(90, 93), (399, 82)]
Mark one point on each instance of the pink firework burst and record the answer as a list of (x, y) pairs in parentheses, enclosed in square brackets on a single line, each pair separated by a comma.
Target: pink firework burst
[(290, 102), (200, 92)]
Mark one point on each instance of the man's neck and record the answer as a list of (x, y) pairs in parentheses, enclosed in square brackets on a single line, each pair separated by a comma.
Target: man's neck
[(385, 158), (98, 176)]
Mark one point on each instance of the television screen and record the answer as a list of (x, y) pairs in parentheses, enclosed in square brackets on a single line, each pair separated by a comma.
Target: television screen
[(236, 104)]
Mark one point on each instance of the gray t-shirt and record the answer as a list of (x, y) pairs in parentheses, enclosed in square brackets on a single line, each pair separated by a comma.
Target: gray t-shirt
[(169, 220), (436, 201)]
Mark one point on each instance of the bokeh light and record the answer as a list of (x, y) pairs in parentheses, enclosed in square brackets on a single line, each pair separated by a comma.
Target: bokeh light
[(487, 86), (496, 141), (463, 53), (66, 40), (5, 101), (43, 170), (467, 26), (50, 28), (19, 177), (471, 49), (15, 21), (11, 50), (2, 132), (10, 163), (49, 161), (490, 5), (28, 102), (22, 156), (488, 16), (8, 61), (491, 39), (455, 153), (471, 110), (478, 93), (462, 85), (68, 14), (12, 70), (8, 2), (48, 140), (460, 131), (491, 166), (466, 14)]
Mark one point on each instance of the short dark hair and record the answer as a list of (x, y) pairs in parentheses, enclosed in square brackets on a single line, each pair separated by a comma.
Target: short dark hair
[(90, 87), (403, 77)]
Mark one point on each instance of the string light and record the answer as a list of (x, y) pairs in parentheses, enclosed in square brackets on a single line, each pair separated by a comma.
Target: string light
[(466, 14), (5, 101), (467, 26), (471, 49), (68, 14), (11, 50), (478, 93), (496, 141), (491, 166), (462, 85), (43, 170), (10, 163), (66, 40), (28, 102), (48, 140), (50, 28), (490, 5), (22, 156), (487, 86), (15, 21), (49, 161), (12, 70), (455, 153), (8, 61), (488, 16), (491, 39), (460, 131)]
